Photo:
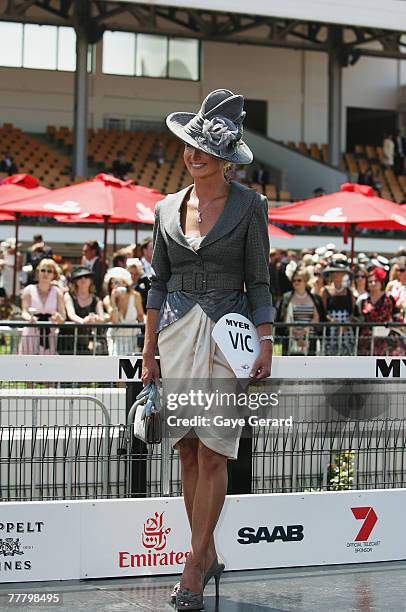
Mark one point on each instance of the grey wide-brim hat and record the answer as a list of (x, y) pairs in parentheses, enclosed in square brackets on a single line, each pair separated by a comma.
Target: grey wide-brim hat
[(216, 129), (338, 266)]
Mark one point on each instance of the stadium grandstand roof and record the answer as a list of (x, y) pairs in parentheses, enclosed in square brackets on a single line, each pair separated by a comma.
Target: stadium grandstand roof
[(369, 27)]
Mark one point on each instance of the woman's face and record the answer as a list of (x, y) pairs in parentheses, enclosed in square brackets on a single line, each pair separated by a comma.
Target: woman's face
[(298, 283), (135, 273), (46, 273), (337, 277), (202, 165), (374, 285), (402, 273), (361, 278), (83, 283)]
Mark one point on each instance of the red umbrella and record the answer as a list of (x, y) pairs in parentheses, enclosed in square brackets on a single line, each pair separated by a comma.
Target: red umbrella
[(102, 199), (20, 187), (355, 205), (277, 232), (104, 196), (6, 217), (17, 189)]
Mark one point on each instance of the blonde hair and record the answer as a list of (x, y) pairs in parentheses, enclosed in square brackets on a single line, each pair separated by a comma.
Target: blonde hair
[(303, 273), (52, 264)]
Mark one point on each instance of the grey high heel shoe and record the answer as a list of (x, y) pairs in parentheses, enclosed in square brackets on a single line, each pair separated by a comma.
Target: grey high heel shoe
[(188, 600), (216, 569)]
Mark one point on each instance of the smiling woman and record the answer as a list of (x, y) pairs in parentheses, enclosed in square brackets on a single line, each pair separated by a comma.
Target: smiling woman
[(210, 258)]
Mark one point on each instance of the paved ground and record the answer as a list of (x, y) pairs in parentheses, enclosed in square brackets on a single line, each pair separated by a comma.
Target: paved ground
[(370, 587)]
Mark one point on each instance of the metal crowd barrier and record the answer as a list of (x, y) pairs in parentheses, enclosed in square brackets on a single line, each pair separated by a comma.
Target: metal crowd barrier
[(62, 441), (294, 339), (93, 462), (46, 337)]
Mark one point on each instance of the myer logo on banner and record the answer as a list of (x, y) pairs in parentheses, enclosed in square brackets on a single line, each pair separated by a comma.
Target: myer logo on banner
[(361, 543), (129, 368), (154, 541), (237, 338), (386, 368)]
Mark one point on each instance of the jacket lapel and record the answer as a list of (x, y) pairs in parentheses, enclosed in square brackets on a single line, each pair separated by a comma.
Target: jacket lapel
[(170, 217), (236, 206)]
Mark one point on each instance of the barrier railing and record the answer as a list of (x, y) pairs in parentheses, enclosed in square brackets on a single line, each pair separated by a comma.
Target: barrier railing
[(355, 338)]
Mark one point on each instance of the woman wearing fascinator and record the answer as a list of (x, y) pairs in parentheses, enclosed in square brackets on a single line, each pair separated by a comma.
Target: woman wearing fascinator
[(210, 258)]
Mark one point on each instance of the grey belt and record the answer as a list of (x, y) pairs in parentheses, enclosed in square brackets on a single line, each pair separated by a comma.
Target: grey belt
[(203, 281)]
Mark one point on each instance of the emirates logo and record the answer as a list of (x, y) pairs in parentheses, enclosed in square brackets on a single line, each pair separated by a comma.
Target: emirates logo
[(154, 533)]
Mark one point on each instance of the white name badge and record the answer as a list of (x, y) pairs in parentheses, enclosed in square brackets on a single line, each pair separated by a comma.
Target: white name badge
[(237, 338)]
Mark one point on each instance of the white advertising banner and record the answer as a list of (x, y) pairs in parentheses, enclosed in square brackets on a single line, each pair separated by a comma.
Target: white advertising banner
[(138, 537), (39, 541), (108, 369), (135, 537)]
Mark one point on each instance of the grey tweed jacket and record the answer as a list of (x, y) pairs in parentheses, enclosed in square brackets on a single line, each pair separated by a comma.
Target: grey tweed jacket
[(233, 256)]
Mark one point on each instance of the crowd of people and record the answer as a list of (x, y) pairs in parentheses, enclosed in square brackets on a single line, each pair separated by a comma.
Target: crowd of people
[(90, 293), (308, 288), (321, 286)]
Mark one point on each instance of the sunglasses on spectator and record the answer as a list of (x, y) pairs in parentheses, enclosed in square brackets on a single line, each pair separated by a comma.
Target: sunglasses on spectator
[(402, 269), (47, 270), (316, 273), (297, 280), (360, 276)]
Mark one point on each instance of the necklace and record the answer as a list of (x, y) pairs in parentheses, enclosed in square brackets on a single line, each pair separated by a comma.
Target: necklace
[(203, 208)]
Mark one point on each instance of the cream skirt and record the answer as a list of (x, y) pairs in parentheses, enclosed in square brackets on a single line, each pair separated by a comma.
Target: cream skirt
[(188, 351)]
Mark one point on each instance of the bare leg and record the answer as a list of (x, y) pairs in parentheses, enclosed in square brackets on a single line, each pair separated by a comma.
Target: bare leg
[(207, 505), (188, 452)]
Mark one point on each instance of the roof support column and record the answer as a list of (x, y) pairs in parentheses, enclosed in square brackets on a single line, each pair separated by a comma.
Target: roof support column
[(334, 94), (82, 14)]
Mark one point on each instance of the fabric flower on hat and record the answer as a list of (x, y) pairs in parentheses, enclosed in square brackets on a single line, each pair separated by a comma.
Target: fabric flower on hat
[(379, 274), (219, 132)]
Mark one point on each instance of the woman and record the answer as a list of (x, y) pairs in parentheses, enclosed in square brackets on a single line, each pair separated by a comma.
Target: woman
[(210, 240), (339, 303), (7, 269), (396, 288), (359, 283), (123, 305), (82, 306), (299, 306), (376, 307), (140, 283), (42, 302)]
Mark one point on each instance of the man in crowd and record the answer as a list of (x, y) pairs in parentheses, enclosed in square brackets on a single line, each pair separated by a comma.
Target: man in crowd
[(120, 167), (260, 176), (146, 256), (8, 165), (400, 153), (35, 253), (92, 259)]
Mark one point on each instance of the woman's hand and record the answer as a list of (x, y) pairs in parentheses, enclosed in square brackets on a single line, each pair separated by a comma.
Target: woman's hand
[(56, 317), (263, 363), (150, 370)]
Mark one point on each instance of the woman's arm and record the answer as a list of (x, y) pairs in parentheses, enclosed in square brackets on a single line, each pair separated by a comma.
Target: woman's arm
[(60, 315), (139, 307), (26, 304), (112, 307), (70, 310), (256, 276), (150, 368), (99, 312)]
